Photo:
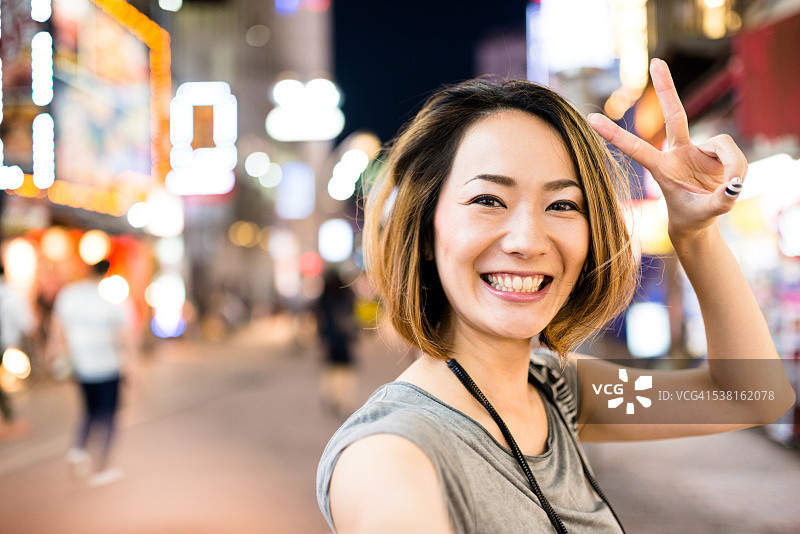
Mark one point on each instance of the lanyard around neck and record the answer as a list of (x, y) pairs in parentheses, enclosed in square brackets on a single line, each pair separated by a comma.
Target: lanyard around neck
[(558, 525)]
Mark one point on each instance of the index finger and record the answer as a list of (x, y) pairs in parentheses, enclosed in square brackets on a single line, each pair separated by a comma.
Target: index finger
[(632, 146), (671, 107)]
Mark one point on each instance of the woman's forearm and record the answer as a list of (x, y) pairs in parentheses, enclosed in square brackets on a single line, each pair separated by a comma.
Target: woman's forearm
[(735, 327)]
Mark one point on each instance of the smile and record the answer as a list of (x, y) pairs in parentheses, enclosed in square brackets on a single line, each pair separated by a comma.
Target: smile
[(516, 284)]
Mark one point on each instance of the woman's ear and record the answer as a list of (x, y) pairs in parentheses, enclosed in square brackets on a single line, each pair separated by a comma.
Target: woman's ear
[(427, 249)]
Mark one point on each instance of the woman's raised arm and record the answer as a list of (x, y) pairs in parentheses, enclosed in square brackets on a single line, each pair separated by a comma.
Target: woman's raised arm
[(699, 184)]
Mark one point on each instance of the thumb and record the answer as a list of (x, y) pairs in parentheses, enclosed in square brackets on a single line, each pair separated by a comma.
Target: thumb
[(724, 196)]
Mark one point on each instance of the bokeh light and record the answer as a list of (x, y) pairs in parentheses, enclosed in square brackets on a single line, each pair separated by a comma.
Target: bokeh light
[(170, 5), (257, 35), (272, 177), (94, 246), (294, 196), (244, 234), (17, 363), (282, 244), (114, 289), (168, 291), (20, 262), (56, 244), (257, 164), (170, 250), (309, 264), (139, 215), (335, 240)]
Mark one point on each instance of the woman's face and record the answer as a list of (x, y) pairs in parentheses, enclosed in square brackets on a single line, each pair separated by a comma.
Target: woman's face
[(510, 229)]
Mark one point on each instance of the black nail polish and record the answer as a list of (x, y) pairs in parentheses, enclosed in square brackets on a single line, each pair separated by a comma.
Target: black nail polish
[(732, 190)]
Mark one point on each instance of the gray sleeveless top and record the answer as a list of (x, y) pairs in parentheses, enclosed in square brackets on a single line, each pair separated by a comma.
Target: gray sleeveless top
[(484, 488)]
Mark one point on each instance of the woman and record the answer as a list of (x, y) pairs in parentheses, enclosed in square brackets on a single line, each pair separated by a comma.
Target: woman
[(498, 222)]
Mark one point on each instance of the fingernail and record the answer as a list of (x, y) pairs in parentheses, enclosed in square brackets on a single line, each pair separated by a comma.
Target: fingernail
[(733, 189)]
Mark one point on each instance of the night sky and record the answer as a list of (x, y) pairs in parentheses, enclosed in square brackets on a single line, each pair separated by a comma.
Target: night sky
[(389, 56)]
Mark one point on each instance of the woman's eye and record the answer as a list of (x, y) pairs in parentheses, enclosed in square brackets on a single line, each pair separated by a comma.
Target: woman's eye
[(488, 201), (563, 205)]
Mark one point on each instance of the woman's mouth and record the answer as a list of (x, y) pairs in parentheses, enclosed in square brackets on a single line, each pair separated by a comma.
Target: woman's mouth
[(516, 284)]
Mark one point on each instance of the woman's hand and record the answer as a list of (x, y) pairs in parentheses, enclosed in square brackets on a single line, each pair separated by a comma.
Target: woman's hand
[(699, 182)]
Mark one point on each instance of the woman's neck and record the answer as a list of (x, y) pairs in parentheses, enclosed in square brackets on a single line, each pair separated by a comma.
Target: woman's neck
[(498, 366)]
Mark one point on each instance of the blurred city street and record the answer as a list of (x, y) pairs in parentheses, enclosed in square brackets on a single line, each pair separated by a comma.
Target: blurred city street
[(226, 437), (221, 183)]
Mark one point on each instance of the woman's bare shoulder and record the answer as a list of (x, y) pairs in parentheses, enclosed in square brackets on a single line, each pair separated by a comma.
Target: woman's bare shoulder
[(386, 483)]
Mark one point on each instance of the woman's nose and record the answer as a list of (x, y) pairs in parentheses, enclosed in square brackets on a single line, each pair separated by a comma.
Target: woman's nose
[(525, 235)]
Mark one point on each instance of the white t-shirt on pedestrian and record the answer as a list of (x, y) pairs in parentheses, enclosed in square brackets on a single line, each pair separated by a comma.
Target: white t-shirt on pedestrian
[(16, 317), (92, 327)]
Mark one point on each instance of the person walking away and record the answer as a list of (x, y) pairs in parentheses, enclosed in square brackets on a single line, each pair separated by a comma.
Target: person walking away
[(97, 337), (16, 321), (337, 329)]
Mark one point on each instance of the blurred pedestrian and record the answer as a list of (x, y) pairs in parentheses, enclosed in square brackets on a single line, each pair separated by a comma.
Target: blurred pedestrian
[(16, 321), (99, 341), (337, 328)]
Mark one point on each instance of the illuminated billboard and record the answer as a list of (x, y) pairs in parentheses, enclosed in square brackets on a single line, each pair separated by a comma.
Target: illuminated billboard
[(87, 106), (101, 98)]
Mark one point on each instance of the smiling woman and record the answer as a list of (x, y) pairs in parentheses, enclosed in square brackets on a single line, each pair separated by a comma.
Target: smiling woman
[(457, 129), (499, 222)]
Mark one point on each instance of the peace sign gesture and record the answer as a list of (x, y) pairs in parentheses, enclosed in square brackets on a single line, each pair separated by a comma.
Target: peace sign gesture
[(699, 182)]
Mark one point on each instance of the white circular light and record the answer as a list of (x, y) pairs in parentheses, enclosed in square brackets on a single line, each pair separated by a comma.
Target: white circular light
[(94, 246), (167, 214), (139, 215), (41, 10), (114, 289), (335, 240), (11, 177), (647, 329), (356, 159), (322, 93), (170, 5), (20, 261), (340, 189), (257, 164), (17, 362), (288, 92), (272, 177), (167, 292)]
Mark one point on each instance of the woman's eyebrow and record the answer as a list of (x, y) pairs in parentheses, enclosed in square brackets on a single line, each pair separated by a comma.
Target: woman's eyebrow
[(507, 181), (498, 179), (556, 185)]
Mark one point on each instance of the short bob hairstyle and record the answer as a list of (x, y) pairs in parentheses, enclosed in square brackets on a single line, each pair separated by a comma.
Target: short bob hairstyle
[(400, 208)]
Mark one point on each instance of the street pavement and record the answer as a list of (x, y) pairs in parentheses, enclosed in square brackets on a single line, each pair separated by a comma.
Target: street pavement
[(225, 438)]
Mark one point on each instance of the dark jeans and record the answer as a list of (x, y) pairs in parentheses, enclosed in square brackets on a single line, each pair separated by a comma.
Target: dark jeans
[(6, 410), (100, 403), (5, 407)]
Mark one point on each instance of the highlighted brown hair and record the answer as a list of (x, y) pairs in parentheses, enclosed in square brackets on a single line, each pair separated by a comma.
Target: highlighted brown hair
[(400, 209)]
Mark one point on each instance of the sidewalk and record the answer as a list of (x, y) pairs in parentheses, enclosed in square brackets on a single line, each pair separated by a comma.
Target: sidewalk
[(219, 438)]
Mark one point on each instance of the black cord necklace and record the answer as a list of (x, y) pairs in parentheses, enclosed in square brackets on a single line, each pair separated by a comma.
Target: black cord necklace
[(558, 525)]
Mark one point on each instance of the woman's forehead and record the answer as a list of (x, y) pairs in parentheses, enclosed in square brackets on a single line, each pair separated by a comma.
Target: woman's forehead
[(512, 143)]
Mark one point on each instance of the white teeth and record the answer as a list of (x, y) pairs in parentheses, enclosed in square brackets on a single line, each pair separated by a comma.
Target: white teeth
[(527, 284)]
